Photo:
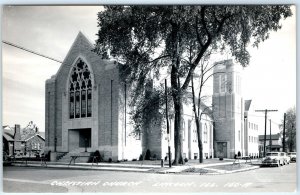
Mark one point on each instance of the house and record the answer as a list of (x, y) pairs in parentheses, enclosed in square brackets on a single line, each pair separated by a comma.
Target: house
[(273, 143), (34, 144), (19, 144), (8, 140)]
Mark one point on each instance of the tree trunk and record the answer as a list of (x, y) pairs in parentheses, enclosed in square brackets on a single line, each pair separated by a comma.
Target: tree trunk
[(178, 108), (199, 133), (197, 120), (178, 131)]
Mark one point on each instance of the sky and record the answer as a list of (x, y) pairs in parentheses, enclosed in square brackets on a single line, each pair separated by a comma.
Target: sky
[(269, 80)]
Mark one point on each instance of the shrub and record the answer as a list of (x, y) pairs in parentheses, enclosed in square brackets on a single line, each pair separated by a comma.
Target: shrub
[(109, 160), (186, 160), (154, 156), (141, 157), (47, 155), (148, 155), (134, 159), (98, 157)]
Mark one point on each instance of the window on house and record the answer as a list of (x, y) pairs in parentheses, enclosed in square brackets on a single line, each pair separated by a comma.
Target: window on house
[(80, 91)]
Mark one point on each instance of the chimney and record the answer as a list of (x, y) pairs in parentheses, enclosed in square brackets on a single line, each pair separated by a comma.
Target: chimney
[(17, 135), (17, 138)]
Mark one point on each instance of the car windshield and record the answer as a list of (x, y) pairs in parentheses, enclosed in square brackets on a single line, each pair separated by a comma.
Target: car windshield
[(292, 153), (272, 154)]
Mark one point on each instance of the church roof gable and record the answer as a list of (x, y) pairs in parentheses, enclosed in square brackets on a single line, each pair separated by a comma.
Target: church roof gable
[(82, 47)]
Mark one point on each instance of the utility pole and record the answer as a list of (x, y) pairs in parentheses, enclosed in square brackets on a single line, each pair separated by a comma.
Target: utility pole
[(168, 131), (265, 137), (283, 141), (270, 138)]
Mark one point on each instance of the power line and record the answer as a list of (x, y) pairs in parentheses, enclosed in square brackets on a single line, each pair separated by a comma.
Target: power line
[(30, 51)]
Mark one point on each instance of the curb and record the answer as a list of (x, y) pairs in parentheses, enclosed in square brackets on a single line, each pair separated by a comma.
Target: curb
[(134, 169), (216, 171), (82, 167), (220, 172)]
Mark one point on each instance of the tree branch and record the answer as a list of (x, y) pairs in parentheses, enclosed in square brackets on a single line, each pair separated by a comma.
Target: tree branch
[(197, 32), (158, 58)]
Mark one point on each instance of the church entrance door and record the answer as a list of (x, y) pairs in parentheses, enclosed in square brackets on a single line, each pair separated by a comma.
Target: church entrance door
[(222, 149), (79, 139)]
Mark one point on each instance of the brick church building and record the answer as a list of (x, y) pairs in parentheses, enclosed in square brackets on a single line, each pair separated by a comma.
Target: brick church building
[(86, 110)]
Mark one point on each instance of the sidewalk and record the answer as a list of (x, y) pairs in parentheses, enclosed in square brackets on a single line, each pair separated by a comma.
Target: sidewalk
[(209, 165), (90, 166)]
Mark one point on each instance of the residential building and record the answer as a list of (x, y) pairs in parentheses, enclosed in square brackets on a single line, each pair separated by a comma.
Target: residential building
[(17, 143), (273, 143)]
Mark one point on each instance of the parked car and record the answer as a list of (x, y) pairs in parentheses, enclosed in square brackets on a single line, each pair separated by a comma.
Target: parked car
[(293, 156), (287, 159), (273, 158)]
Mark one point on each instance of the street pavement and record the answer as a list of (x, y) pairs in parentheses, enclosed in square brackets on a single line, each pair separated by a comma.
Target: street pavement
[(41, 179)]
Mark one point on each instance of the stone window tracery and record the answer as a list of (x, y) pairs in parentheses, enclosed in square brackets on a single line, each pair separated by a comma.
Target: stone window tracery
[(80, 91)]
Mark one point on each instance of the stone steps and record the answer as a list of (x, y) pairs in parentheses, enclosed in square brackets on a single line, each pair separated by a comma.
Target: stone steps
[(66, 158)]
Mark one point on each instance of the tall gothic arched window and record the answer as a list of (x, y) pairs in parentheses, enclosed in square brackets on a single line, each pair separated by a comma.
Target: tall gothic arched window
[(80, 89)]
